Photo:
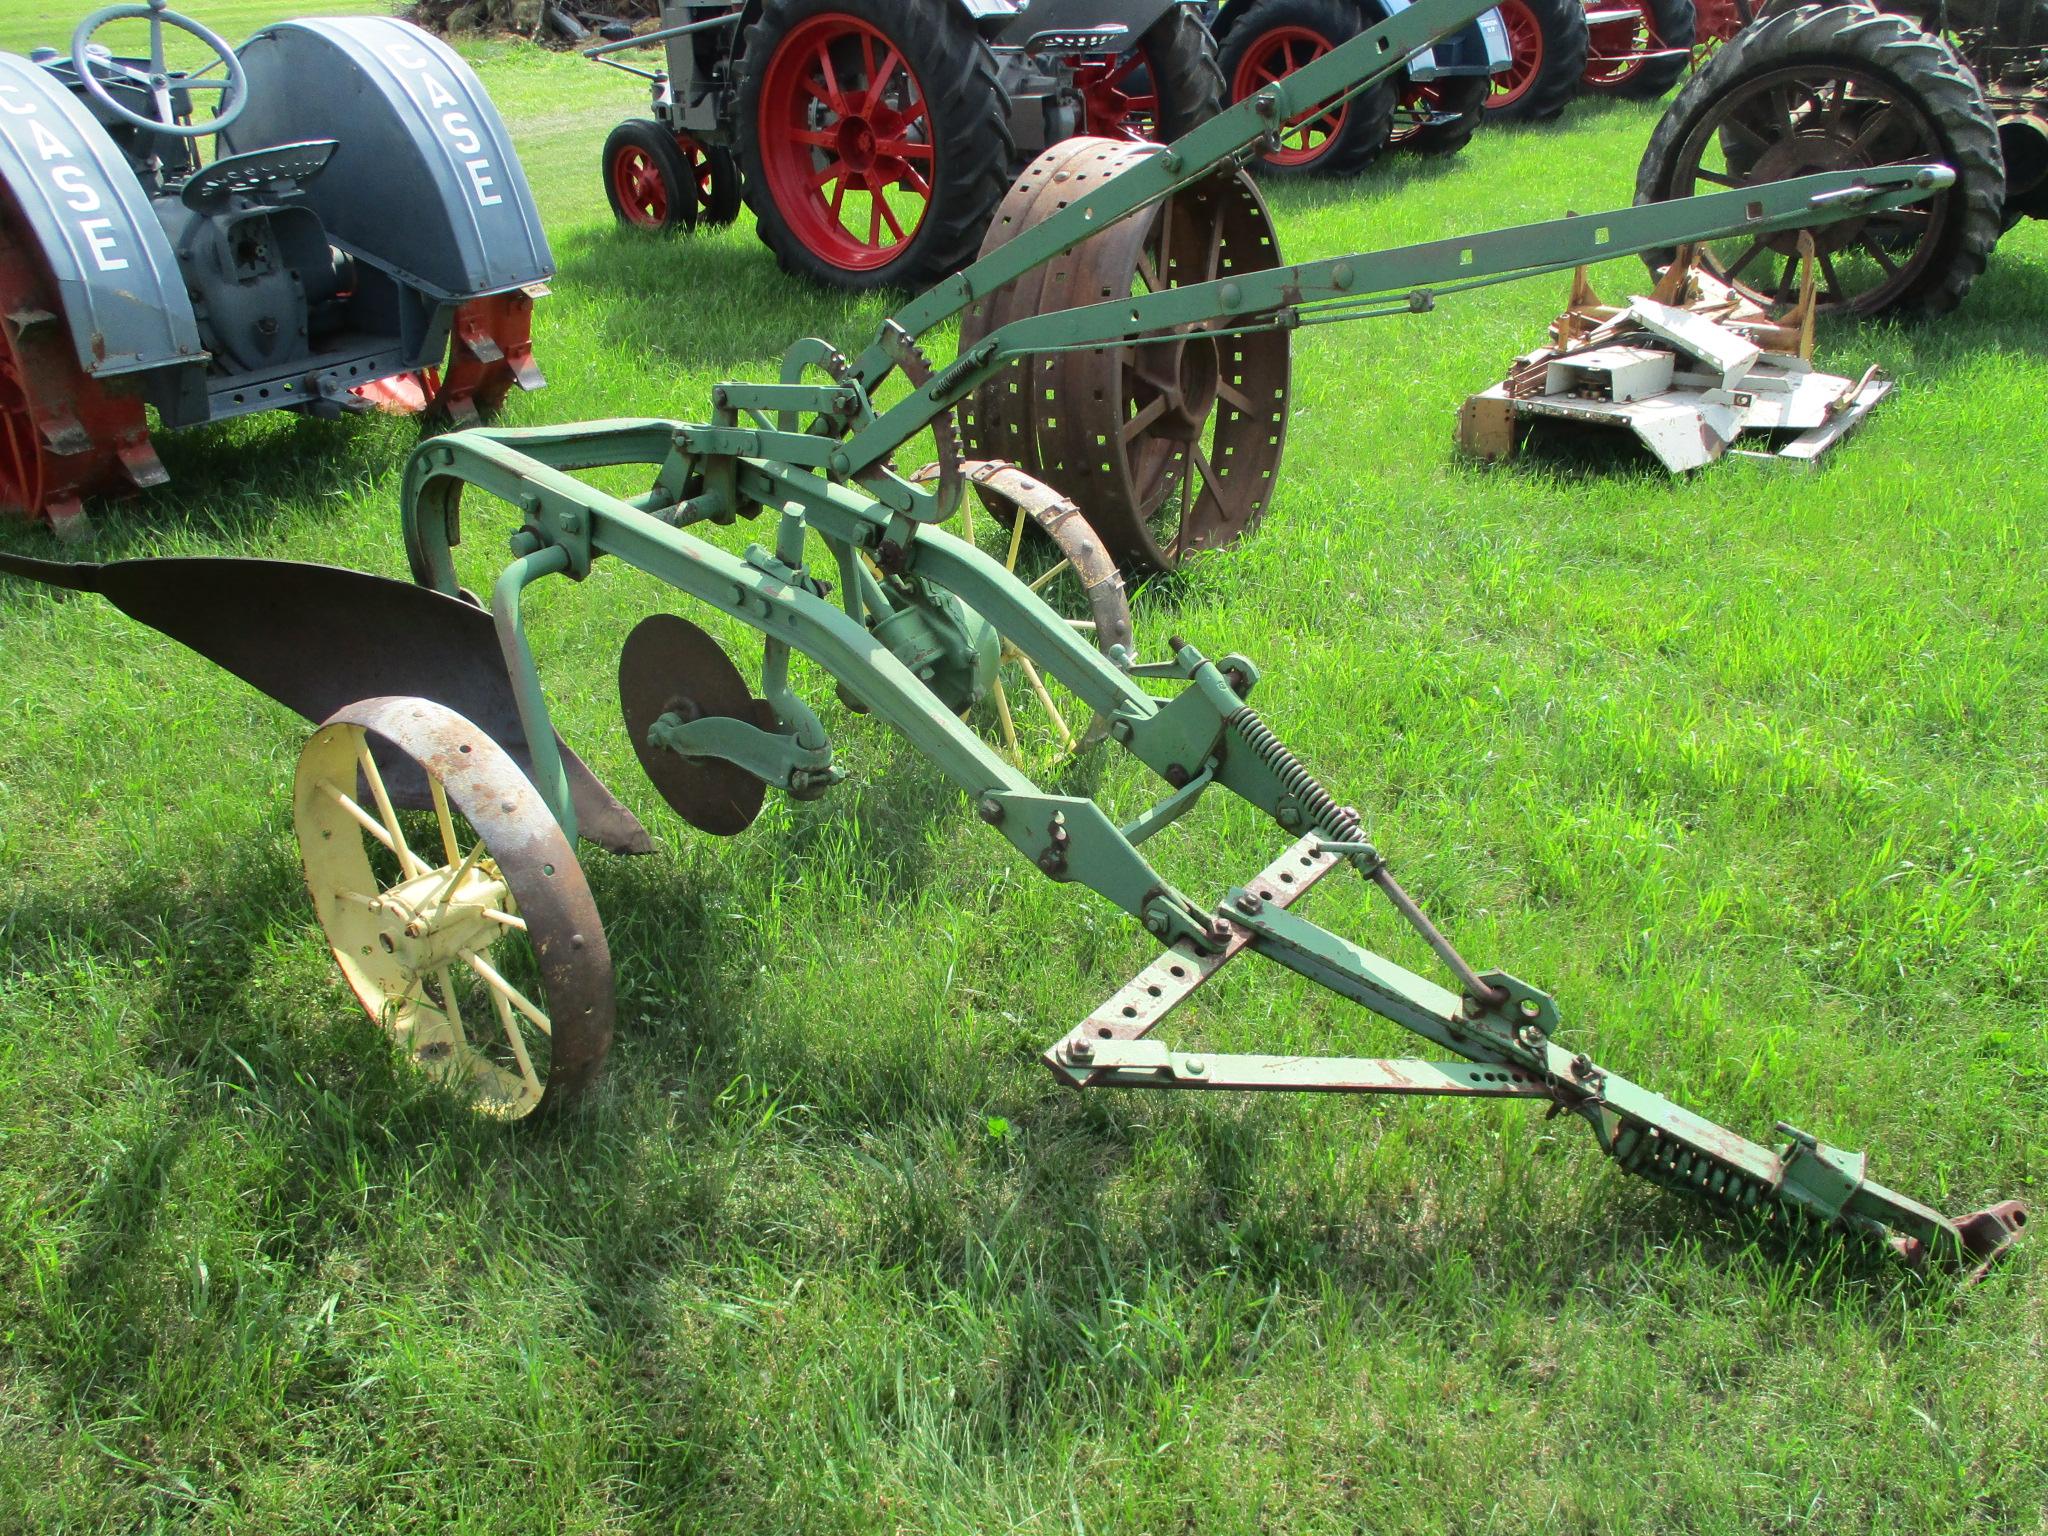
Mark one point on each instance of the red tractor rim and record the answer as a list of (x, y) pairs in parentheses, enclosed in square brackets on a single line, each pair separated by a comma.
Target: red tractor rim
[(1272, 56), (21, 456), (698, 158), (846, 142), (1525, 55), (642, 192), (1110, 108), (1618, 49), (1412, 109)]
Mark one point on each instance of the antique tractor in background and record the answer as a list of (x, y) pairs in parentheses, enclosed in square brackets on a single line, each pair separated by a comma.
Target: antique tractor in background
[(873, 142), (362, 217), (438, 811), (1432, 107), (1848, 86)]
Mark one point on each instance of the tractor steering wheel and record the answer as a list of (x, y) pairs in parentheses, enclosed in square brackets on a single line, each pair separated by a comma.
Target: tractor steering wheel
[(160, 78)]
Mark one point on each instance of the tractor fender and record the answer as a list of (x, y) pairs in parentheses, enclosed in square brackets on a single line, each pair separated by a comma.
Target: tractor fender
[(115, 273), (425, 183)]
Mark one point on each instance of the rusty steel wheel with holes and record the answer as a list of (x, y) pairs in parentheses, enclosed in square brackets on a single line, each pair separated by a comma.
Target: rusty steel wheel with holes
[(468, 933), (1168, 446)]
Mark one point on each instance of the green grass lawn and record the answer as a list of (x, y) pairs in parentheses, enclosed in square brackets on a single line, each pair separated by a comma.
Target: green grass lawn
[(1748, 768)]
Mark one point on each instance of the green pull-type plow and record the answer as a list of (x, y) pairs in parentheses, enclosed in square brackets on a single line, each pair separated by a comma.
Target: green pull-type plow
[(479, 945)]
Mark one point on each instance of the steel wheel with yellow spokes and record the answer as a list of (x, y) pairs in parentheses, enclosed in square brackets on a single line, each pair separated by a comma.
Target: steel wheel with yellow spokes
[(1034, 716), (468, 932)]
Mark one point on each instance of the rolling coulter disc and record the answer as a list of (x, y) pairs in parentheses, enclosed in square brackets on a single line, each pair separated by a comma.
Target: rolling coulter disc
[(1167, 446), (468, 932), (671, 667), (63, 436), (1036, 720)]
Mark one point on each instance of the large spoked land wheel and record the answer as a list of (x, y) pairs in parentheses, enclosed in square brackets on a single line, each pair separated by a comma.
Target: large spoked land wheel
[(1036, 720), (1547, 48), (1156, 91), (1839, 88), (63, 436), (1639, 48), (875, 138), (1168, 445), (468, 933), (1272, 40), (1439, 117)]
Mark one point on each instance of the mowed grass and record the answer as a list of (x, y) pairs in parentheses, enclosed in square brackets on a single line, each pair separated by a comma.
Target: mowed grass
[(1747, 768)]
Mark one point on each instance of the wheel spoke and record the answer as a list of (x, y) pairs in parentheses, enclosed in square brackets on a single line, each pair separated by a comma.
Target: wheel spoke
[(1745, 259), (503, 1007), (1009, 725), (449, 846), (408, 862), (1046, 579), (1059, 721), (455, 877), (361, 817), (1879, 254), (1145, 416), (513, 995), (450, 1009), (1238, 399)]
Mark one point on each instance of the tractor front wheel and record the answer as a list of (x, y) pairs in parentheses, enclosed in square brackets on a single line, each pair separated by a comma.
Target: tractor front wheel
[(1439, 117), (646, 177), (876, 141), (1639, 48), (1272, 40), (1547, 47), (1158, 90)]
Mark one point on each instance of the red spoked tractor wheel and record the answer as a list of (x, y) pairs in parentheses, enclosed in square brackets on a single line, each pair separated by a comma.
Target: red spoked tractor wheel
[(1156, 91), (1638, 48), (63, 435), (1274, 38), (875, 145), (1547, 48), (658, 179)]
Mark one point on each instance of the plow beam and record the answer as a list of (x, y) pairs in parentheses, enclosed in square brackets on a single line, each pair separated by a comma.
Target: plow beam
[(1804, 1184)]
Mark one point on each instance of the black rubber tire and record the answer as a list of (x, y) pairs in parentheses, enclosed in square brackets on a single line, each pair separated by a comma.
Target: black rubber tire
[(1466, 96), (973, 149), (658, 145), (1565, 43), (1910, 61), (725, 202), (1180, 55), (1368, 119), (1673, 23)]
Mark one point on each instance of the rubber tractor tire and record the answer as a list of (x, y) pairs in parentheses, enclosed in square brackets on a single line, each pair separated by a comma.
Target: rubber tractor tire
[(1617, 64), (1165, 85), (1439, 117), (1272, 39), (859, 182), (647, 179), (1549, 42), (1917, 261)]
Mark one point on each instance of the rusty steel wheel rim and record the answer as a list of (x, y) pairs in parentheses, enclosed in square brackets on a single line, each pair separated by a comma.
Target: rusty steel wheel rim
[(468, 933), (1169, 446)]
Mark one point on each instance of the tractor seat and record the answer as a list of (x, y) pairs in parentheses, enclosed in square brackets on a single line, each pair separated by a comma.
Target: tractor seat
[(298, 163)]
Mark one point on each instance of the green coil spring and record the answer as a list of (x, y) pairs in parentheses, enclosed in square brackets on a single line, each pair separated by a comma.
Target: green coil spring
[(1316, 802), (1649, 1153)]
